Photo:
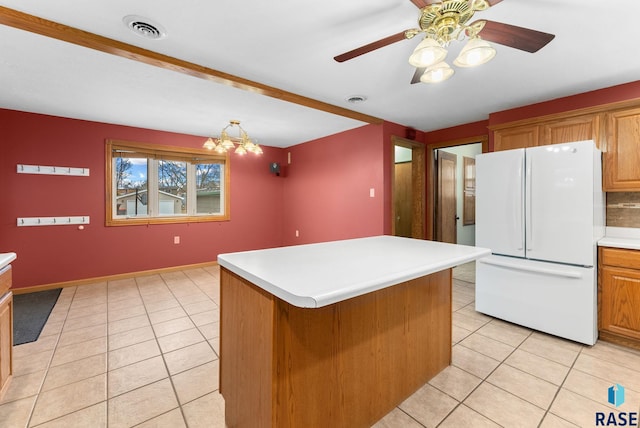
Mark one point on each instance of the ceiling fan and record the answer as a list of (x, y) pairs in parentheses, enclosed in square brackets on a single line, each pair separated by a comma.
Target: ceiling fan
[(444, 21)]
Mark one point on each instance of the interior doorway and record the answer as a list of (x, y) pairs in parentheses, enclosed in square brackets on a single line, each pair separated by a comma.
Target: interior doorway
[(451, 190), (408, 188), (446, 213)]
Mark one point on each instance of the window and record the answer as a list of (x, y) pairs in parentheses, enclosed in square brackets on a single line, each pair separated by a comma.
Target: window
[(147, 183)]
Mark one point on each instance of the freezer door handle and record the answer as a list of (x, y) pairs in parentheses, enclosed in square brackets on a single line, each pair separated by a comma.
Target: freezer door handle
[(529, 203), (534, 269)]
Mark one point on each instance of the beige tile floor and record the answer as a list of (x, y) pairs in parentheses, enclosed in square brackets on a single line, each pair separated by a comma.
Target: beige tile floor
[(144, 352)]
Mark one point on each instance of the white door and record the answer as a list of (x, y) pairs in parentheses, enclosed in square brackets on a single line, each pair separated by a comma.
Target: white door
[(559, 203), (500, 202)]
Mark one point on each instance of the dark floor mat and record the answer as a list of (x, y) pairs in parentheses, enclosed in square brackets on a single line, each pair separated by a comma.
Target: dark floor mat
[(30, 314)]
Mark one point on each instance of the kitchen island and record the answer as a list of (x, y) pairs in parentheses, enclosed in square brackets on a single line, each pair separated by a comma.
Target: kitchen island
[(333, 334)]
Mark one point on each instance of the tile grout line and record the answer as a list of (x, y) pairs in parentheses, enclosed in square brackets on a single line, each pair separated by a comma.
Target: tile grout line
[(53, 353), (485, 379), (560, 388), (158, 343)]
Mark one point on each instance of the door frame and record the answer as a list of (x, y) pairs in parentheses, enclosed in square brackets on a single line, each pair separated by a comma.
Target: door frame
[(431, 174), (418, 184)]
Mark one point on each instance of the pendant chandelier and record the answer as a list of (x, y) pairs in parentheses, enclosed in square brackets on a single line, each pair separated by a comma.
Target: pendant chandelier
[(225, 142)]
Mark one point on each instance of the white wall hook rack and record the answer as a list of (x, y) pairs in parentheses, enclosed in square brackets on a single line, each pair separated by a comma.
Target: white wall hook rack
[(52, 221), (52, 170)]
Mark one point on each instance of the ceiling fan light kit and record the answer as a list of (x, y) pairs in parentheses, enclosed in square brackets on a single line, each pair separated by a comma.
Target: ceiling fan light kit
[(445, 21)]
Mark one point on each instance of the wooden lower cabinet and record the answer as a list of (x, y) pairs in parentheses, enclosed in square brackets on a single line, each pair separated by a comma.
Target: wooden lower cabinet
[(619, 296), (6, 341)]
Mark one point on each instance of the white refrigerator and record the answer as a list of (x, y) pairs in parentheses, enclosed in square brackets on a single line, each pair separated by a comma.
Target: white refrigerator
[(541, 212)]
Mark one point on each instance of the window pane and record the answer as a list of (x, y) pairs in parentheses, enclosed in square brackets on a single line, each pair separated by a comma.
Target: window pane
[(172, 187), (208, 180), (131, 186)]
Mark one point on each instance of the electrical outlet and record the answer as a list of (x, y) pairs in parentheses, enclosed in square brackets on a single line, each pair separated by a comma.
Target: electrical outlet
[(297, 233), (176, 239)]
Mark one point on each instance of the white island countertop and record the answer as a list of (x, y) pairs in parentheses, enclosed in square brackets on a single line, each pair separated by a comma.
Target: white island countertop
[(6, 258), (316, 275)]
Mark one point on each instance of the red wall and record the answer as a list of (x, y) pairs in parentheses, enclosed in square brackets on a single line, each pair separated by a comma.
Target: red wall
[(326, 193), (52, 254)]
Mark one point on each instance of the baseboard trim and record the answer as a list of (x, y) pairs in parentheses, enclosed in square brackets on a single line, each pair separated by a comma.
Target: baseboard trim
[(88, 281)]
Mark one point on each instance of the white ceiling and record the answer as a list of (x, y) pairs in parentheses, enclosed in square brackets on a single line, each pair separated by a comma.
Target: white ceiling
[(290, 45)]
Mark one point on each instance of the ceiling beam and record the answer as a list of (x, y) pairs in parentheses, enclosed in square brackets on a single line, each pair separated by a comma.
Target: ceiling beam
[(44, 27)]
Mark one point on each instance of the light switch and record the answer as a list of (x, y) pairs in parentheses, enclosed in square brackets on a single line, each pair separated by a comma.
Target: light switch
[(176, 239), (372, 192)]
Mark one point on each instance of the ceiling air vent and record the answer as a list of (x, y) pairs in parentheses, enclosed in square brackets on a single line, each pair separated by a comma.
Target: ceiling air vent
[(144, 27), (355, 99)]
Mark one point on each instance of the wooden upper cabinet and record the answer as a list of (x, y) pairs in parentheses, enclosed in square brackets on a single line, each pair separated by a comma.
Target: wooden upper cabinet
[(571, 129), (622, 157), (518, 137)]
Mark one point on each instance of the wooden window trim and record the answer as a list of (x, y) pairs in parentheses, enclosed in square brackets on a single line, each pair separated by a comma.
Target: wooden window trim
[(163, 152)]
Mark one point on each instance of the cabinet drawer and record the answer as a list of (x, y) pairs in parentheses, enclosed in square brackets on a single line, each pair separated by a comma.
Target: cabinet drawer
[(5, 279), (620, 258)]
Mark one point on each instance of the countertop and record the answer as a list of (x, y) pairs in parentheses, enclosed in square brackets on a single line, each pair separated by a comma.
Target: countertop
[(621, 237), (6, 258), (316, 275)]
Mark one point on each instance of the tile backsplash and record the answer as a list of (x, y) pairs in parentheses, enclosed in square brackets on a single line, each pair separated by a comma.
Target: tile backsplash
[(623, 209)]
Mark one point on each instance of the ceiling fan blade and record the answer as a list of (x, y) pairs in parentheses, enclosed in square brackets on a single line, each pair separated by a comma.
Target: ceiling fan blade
[(370, 47), (424, 3), (417, 74), (514, 37)]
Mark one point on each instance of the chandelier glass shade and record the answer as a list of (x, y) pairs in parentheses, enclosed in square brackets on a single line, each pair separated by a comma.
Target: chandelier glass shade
[(225, 142)]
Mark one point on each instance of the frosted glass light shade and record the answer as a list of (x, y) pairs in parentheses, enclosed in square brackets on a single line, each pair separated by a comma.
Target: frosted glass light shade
[(437, 73), (209, 144), (427, 53), (475, 52)]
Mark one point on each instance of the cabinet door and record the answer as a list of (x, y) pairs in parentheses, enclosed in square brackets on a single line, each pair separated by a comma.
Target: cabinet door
[(519, 137), (6, 340), (620, 300), (621, 160), (572, 129)]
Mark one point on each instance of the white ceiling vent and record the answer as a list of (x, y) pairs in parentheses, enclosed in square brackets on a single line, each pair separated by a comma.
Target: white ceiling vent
[(144, 27)]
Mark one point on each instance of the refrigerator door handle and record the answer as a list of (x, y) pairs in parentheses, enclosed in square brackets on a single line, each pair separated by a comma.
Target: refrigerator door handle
[(520, 214), (529, 208), (534, 269)]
